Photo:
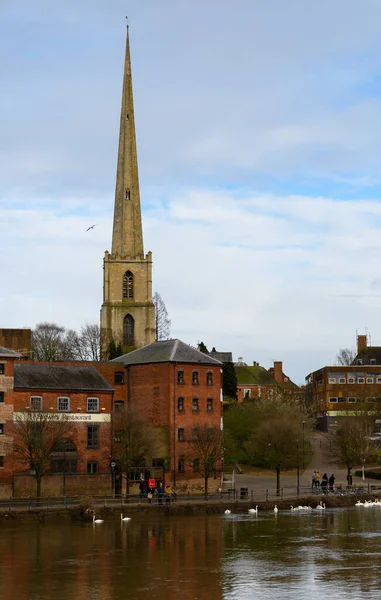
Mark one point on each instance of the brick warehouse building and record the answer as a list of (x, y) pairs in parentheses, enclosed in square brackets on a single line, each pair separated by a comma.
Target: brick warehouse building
[(336, 392), (180, 388), (176, 388)]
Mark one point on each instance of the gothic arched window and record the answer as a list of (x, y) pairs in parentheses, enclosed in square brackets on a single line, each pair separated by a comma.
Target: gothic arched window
[(128, 285), (128, 330)]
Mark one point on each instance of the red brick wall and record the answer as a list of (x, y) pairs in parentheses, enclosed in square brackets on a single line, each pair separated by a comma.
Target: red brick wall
[(53, 485), (256, 391), (6, 418)]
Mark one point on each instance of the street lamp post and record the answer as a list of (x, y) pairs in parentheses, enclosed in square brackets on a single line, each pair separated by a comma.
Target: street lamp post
[(64, 472), (113, 465), (303, 423), (297, 468)]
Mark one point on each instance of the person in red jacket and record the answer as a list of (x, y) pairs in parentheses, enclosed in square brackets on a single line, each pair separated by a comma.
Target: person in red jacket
[(152, 485)]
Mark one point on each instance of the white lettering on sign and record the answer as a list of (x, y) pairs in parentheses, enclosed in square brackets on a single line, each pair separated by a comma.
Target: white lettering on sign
[(83, 417)]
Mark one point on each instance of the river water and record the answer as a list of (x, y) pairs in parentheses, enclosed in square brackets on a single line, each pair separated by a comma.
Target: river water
[(333, 553)]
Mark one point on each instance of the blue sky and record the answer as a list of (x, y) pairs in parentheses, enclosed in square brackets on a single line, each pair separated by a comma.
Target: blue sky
[(259, 140)]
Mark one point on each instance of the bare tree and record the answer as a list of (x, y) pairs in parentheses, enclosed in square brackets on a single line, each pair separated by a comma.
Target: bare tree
[(87, 344), (351, 444), (205, 451), (134, 442), (345, 356), (50, 343), (162, 320), (36, 434)]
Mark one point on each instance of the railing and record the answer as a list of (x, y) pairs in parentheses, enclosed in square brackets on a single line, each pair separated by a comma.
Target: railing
[(242, 496)]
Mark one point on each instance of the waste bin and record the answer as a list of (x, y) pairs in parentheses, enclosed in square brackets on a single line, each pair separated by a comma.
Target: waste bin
[(244, 493)]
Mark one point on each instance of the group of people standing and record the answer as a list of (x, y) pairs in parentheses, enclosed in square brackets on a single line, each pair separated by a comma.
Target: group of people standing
[(325, 482), (148, 488)]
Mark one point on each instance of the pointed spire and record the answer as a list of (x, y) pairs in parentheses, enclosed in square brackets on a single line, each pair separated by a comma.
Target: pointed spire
[(127, 237)]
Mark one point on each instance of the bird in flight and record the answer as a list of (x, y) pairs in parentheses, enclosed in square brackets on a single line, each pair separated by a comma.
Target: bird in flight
[(92, 227)]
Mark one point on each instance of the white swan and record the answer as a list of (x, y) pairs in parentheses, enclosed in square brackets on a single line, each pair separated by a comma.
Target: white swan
[(275, 509), (122, 518), (227, 511), (320, 506), (253, 511), (97, 520)]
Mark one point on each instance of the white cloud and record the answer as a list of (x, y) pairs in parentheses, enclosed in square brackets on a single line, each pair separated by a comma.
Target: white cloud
[(230, 101)]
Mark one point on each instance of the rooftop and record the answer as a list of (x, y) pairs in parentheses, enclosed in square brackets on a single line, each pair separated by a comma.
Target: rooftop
[(166, 351), (255, 375), (54, 377), (223, 357)]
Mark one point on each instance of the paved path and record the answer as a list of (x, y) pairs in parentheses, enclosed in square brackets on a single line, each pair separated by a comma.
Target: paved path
[(319, 461)]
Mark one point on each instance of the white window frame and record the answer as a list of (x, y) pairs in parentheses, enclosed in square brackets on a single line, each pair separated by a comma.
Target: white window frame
[(351, 380), (369, 380), (360, 379), (331, 379), (32, 400), (247, 393), (333, 400), (92, 400), (342, 380), (59, 399), (378, 379)]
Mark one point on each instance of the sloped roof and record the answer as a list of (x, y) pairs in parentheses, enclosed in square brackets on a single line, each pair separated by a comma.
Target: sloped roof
[(54, 377), (8, 352), (223, 357), (366, 354), (166, 351), (254, 376), (286, 383)]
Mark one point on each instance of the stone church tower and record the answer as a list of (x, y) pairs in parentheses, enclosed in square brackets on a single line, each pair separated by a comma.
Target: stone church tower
[(127, 313)]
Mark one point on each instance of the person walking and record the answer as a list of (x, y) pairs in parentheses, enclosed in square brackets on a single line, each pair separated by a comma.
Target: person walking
[(168, 494), (313, 482), (317, 480), (324, 483), (331, 483), (160, 493)]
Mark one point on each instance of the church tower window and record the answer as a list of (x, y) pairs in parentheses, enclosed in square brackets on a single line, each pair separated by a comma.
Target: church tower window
[(128, 330), (128, 285), (128, 195)]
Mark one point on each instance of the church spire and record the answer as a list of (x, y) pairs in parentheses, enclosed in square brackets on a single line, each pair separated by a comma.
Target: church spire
[(127, 237)]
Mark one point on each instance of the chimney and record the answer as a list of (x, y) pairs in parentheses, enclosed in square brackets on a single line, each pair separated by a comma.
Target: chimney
[(278, 371), (361, 342)]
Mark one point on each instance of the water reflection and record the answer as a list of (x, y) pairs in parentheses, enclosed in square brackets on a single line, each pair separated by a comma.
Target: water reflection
[(330, 553), (290, 555)]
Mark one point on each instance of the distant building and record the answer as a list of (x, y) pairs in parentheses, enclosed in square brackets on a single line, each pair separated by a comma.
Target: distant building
[(282, 379), (253, 381), (224, 357), (19, 340), (257, 382), (335, 392)]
